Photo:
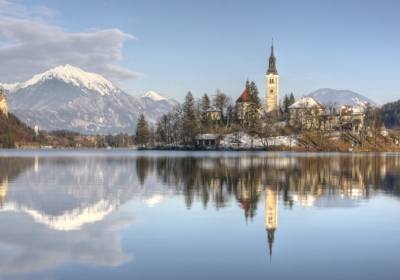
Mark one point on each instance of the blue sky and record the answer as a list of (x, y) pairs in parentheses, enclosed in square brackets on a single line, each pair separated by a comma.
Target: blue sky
[(175, 46)]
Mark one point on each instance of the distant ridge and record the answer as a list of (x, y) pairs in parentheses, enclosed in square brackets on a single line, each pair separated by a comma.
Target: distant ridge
[(341, 97)]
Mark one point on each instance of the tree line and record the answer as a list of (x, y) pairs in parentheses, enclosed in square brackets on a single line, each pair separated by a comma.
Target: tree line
[(217, 114)]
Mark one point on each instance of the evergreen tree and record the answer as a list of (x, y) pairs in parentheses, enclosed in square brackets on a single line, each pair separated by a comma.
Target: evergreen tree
[(189, 125), (288, 100), (391, 114), (205, 103), (291, 99), (253, 110), (142, 135), (285, 108)]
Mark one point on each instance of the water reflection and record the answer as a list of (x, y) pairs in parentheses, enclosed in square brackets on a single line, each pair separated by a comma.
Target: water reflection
[(302, 179), (271, 214), (66, 192), (69, 206)]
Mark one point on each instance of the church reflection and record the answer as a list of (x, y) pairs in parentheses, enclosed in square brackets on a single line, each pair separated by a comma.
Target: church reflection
[(214, 181), (72, 194), (271, 214)]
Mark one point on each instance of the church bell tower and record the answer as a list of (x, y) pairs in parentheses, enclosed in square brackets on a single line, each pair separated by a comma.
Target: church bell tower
[(272, 88)]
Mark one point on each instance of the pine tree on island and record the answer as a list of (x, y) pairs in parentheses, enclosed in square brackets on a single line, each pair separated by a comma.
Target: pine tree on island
[(206, 119), (288, 100), (253, 110), (142, 135), (189, 124)]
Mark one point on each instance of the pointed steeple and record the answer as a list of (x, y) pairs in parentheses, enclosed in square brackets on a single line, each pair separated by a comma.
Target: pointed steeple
[(271, 239), (272, 62)]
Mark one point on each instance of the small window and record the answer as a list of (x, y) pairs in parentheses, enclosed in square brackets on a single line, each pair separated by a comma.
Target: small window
[(271, 91)]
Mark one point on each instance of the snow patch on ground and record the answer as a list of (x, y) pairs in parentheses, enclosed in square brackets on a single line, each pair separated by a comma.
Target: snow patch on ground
[(245, 141)]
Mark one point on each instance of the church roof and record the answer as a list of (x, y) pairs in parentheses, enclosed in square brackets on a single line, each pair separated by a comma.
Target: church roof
[(244, 97)]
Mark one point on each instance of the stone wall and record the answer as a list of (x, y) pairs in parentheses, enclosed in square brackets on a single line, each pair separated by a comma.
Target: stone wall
[(3, 104)]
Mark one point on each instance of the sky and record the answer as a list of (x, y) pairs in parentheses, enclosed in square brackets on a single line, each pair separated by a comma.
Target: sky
[(176, 46)]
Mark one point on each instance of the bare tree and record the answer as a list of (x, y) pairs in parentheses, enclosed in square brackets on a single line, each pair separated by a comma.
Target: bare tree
[(265, 129), (222, 102)]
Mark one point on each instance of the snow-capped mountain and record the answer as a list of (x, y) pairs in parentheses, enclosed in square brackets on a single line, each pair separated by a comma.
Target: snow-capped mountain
[(70, 75), (67, 97), (340, 97), (153, 95)]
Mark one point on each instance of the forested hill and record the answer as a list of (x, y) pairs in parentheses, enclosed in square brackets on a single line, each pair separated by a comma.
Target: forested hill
[(13, 130), (391, 114)]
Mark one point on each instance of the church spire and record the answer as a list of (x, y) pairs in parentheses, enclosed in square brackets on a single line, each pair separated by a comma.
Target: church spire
[(271, 239), (272, 62)]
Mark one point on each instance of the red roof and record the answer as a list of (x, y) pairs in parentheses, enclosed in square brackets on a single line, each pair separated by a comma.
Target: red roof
[(244, 97)]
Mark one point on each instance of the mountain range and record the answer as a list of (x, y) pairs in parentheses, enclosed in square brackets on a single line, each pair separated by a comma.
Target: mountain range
[(67, 97), (340, 97)]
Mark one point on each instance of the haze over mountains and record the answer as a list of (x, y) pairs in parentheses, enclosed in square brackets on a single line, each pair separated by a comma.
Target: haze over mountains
[(67, 97)]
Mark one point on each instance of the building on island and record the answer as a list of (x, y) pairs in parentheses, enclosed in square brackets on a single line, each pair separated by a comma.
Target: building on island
[(306, 112), (3, 104), (241, 105), (36, 129), (272, 87), (214, 114), (309, 113), (208, 140)]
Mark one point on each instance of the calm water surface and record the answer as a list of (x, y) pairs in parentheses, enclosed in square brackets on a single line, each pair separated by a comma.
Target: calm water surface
[(180, 215)]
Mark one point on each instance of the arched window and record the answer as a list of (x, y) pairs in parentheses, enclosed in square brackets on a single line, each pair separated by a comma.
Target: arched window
[(271, 91)]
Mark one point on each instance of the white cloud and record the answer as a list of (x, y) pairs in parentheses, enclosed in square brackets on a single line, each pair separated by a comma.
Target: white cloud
[(29, 46), (21, 11)]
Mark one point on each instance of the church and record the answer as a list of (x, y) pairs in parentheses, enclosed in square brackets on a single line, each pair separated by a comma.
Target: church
[(272, 87), (271, 92)]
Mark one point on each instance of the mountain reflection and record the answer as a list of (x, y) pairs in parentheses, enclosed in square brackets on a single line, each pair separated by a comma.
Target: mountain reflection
[(67, 199), (85, 189)]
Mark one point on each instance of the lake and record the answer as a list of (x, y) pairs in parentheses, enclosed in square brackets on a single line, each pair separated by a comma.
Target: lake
[(71, 214)]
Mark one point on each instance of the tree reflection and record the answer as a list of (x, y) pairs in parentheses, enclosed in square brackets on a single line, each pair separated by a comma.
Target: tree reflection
[(10, 168), (75, 194), (302, 179), (142, 169)]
